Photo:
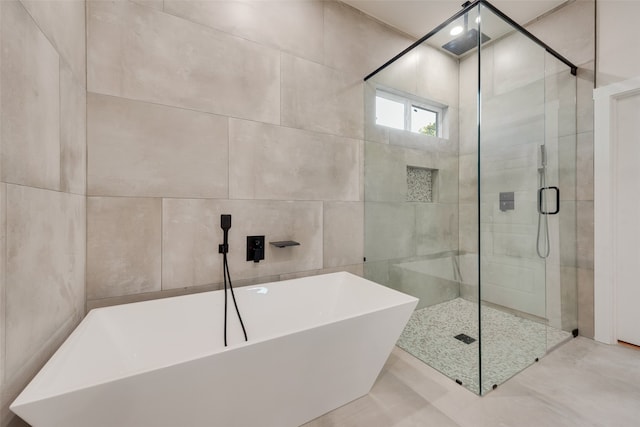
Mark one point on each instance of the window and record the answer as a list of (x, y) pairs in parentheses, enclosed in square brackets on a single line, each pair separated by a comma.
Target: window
[(424, 121), (409, 113), (389, 113)]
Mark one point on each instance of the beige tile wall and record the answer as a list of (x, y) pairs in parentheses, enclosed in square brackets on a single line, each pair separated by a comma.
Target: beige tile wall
[(42, 193), (5, 395), (398, 230), (30, 102), (123, 246), (44, 291), (138, 149), (141, 53), (322, 99), (578, 45), (575, 168), (271, 162), (513, 107), (299, 31), (191, 234), (194, 112)]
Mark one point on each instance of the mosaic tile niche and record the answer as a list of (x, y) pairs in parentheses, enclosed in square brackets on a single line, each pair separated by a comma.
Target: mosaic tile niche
[(420, 184)]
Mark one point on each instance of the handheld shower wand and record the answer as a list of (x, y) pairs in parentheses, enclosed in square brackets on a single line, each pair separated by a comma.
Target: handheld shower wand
[(543, 247), (225, 224)]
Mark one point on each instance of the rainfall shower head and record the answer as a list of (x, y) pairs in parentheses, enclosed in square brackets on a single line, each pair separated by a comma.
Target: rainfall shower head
[(465, 42)]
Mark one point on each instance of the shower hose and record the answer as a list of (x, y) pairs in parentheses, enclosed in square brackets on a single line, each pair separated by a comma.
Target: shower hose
[(542, 243)]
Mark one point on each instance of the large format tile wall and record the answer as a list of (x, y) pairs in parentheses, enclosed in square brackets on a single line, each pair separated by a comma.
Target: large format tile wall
[(512, 129), (399, 230), (578, 45), (510, 237), (197, 109), (527, 100), (42, 193)]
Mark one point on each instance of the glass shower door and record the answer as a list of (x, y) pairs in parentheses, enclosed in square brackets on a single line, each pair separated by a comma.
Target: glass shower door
[(519, 190), (420, 210), (470, 149)]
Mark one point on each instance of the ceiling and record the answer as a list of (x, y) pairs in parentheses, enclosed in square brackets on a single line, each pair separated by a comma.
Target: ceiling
[(418, 17)]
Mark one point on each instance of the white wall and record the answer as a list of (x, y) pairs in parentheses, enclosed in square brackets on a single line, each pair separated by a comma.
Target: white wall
[(618, 60)]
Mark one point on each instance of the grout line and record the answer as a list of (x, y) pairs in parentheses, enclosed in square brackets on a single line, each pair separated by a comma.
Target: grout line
[(86, 154), (322, 234), (218, 199), (549, 12), (60, 125), (228, 158), (35, 22), (280, 88), (161, 244), (15, 184), (595, 45), (230, 117), (3, 286), (273, 46), (324, 32)]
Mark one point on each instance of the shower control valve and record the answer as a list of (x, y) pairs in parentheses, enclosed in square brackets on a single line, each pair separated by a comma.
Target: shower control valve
[(255, 248)]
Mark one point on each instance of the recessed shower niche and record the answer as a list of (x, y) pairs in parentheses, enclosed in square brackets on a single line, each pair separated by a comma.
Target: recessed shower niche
[(420, 184), (498, 114)]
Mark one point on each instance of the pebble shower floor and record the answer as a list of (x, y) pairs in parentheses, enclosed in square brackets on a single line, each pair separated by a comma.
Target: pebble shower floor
[(509, 343)]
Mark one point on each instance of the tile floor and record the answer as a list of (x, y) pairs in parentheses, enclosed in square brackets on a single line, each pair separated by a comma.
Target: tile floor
[(582, 383)]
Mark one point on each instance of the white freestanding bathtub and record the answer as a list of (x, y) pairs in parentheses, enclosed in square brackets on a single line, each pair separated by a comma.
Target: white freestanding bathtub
[(314, 344)]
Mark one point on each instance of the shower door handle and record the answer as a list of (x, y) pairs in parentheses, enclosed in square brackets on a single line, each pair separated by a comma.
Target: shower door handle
[(540, 194)]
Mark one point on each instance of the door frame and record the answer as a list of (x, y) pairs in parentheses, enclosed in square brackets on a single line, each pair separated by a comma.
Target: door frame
[(605, 205)]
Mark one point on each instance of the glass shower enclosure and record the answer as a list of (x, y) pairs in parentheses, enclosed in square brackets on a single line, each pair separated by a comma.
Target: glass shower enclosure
[(470, 206)]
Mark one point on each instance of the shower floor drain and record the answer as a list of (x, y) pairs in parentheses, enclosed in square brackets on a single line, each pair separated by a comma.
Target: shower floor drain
[(465, 338)]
